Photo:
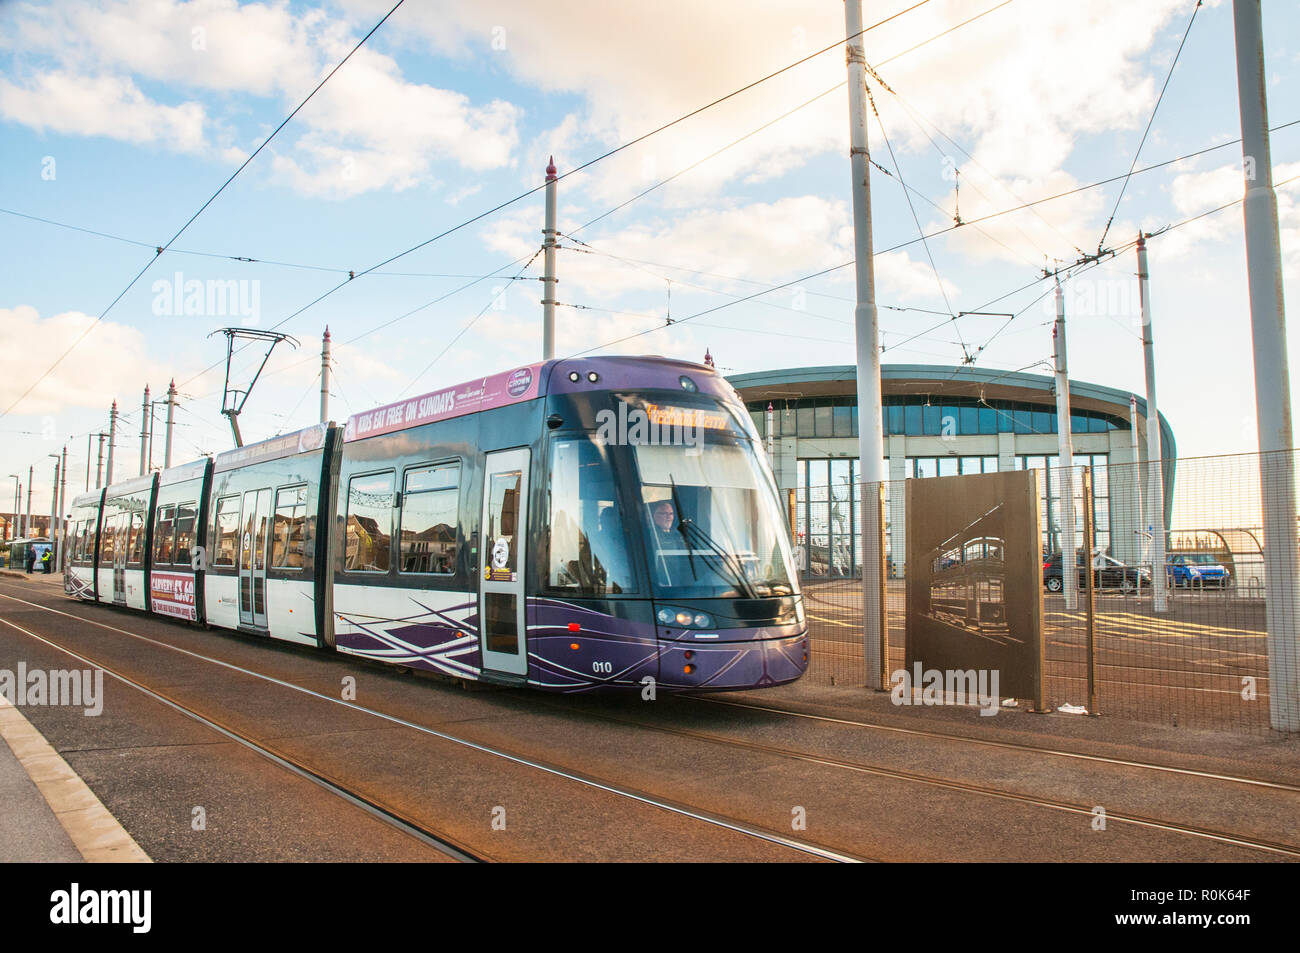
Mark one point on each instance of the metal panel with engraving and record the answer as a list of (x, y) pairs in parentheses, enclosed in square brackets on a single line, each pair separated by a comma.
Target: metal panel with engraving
[(974, 578)]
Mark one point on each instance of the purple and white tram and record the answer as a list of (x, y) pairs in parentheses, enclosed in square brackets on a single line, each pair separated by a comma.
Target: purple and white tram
[(570, 526)]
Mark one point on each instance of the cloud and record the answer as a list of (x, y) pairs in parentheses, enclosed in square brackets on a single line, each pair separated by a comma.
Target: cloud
[(1063, 73), (112, 364), (102, 106), (369, 128)]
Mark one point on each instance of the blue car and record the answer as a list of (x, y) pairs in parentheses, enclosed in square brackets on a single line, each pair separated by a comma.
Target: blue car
[(1197, 571)]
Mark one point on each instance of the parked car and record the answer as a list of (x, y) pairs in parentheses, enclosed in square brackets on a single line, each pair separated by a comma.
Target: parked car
[(1194, 570), (1108, 573)]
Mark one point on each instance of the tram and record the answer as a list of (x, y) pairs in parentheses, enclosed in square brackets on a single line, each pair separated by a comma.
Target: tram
[(571, 526)]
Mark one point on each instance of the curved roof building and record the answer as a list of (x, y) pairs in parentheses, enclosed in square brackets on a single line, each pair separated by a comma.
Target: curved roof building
[(942, 421)]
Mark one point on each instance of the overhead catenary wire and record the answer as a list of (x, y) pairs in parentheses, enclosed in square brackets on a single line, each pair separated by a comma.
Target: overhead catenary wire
[(833, 268), (1147, 131), (912, 208), (582, 167)]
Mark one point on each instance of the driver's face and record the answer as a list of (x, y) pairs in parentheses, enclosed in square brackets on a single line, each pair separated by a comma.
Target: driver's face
[(664, 515)]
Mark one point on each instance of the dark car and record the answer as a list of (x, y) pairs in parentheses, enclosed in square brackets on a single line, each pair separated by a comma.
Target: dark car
[(1108, 573)]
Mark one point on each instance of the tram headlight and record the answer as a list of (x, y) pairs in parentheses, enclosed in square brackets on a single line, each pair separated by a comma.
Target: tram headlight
[(684, 618)]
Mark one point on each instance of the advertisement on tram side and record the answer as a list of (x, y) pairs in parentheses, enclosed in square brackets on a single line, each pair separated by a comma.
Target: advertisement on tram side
[(172, 594)]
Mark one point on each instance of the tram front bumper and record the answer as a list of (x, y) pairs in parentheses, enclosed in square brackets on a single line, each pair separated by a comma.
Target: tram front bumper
[(732, 666)]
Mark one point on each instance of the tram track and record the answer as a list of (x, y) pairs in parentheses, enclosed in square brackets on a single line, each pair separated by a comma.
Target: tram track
[(382, 812), (373, 805), (1003, 744), (835, 763), (952, 784)]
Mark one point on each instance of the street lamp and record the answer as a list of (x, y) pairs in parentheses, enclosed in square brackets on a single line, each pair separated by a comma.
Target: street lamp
[(17, 494)]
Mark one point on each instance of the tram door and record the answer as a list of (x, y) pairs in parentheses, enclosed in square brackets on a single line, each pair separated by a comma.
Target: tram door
[(252, 558), (121, 539), (502, 568)]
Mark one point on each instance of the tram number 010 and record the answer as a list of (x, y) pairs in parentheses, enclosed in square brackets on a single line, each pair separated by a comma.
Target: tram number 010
[(602, 668)]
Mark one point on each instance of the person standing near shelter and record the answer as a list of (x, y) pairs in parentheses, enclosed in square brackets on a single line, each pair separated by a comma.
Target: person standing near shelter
[(45, 561), (30, 559)]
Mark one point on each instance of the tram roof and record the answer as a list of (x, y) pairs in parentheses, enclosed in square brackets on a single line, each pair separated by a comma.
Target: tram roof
[(520, 384), (285, 445)]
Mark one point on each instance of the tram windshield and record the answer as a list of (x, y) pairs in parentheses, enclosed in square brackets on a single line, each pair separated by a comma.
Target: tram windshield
[(712, 521)]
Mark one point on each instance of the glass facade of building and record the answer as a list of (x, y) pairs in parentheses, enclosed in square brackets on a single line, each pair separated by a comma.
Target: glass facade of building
[(918, 416)]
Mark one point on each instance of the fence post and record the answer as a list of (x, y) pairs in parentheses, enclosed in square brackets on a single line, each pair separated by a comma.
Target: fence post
[(1091, 633), (884, 590)]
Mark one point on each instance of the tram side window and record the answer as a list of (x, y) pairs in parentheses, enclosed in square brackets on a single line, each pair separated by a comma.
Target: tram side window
[(76, 535), (369, 524), (107, 538), (163, 532), (88, 544), (135, 543), (227, 526), (430, 499), (185, 514), (588, 538), (290, 528)]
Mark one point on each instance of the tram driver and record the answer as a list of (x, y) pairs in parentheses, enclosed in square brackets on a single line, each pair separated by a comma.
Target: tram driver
[(664, 516)]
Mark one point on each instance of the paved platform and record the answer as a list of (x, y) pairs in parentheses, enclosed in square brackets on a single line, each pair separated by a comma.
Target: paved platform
[(29, 831)]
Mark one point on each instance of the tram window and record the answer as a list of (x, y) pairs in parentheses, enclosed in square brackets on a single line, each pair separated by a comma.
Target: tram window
[(185, 513), (369, 523), (430, 501), (106, 543), (88, 544), (135, 546), (227, 526), (588, 536), (290, 527), (162, 535)]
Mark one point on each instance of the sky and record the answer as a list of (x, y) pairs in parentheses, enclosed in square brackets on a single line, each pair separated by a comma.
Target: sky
[(119, 119)]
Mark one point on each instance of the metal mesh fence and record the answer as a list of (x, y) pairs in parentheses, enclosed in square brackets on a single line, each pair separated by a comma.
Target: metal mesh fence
[(1180, 631)]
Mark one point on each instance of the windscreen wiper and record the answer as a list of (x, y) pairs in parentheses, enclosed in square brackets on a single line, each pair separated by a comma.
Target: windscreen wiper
[(681, 527), (728, 560)]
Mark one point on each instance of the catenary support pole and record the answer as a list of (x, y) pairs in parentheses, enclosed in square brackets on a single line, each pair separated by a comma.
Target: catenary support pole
[(1272, 377), (325, 377), (27, 518), (112, 440), (171, 423), (63, 501), (549, 279), (1155, 457), (144, 432), (1065, 463), (54, 515), (871, 440)]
